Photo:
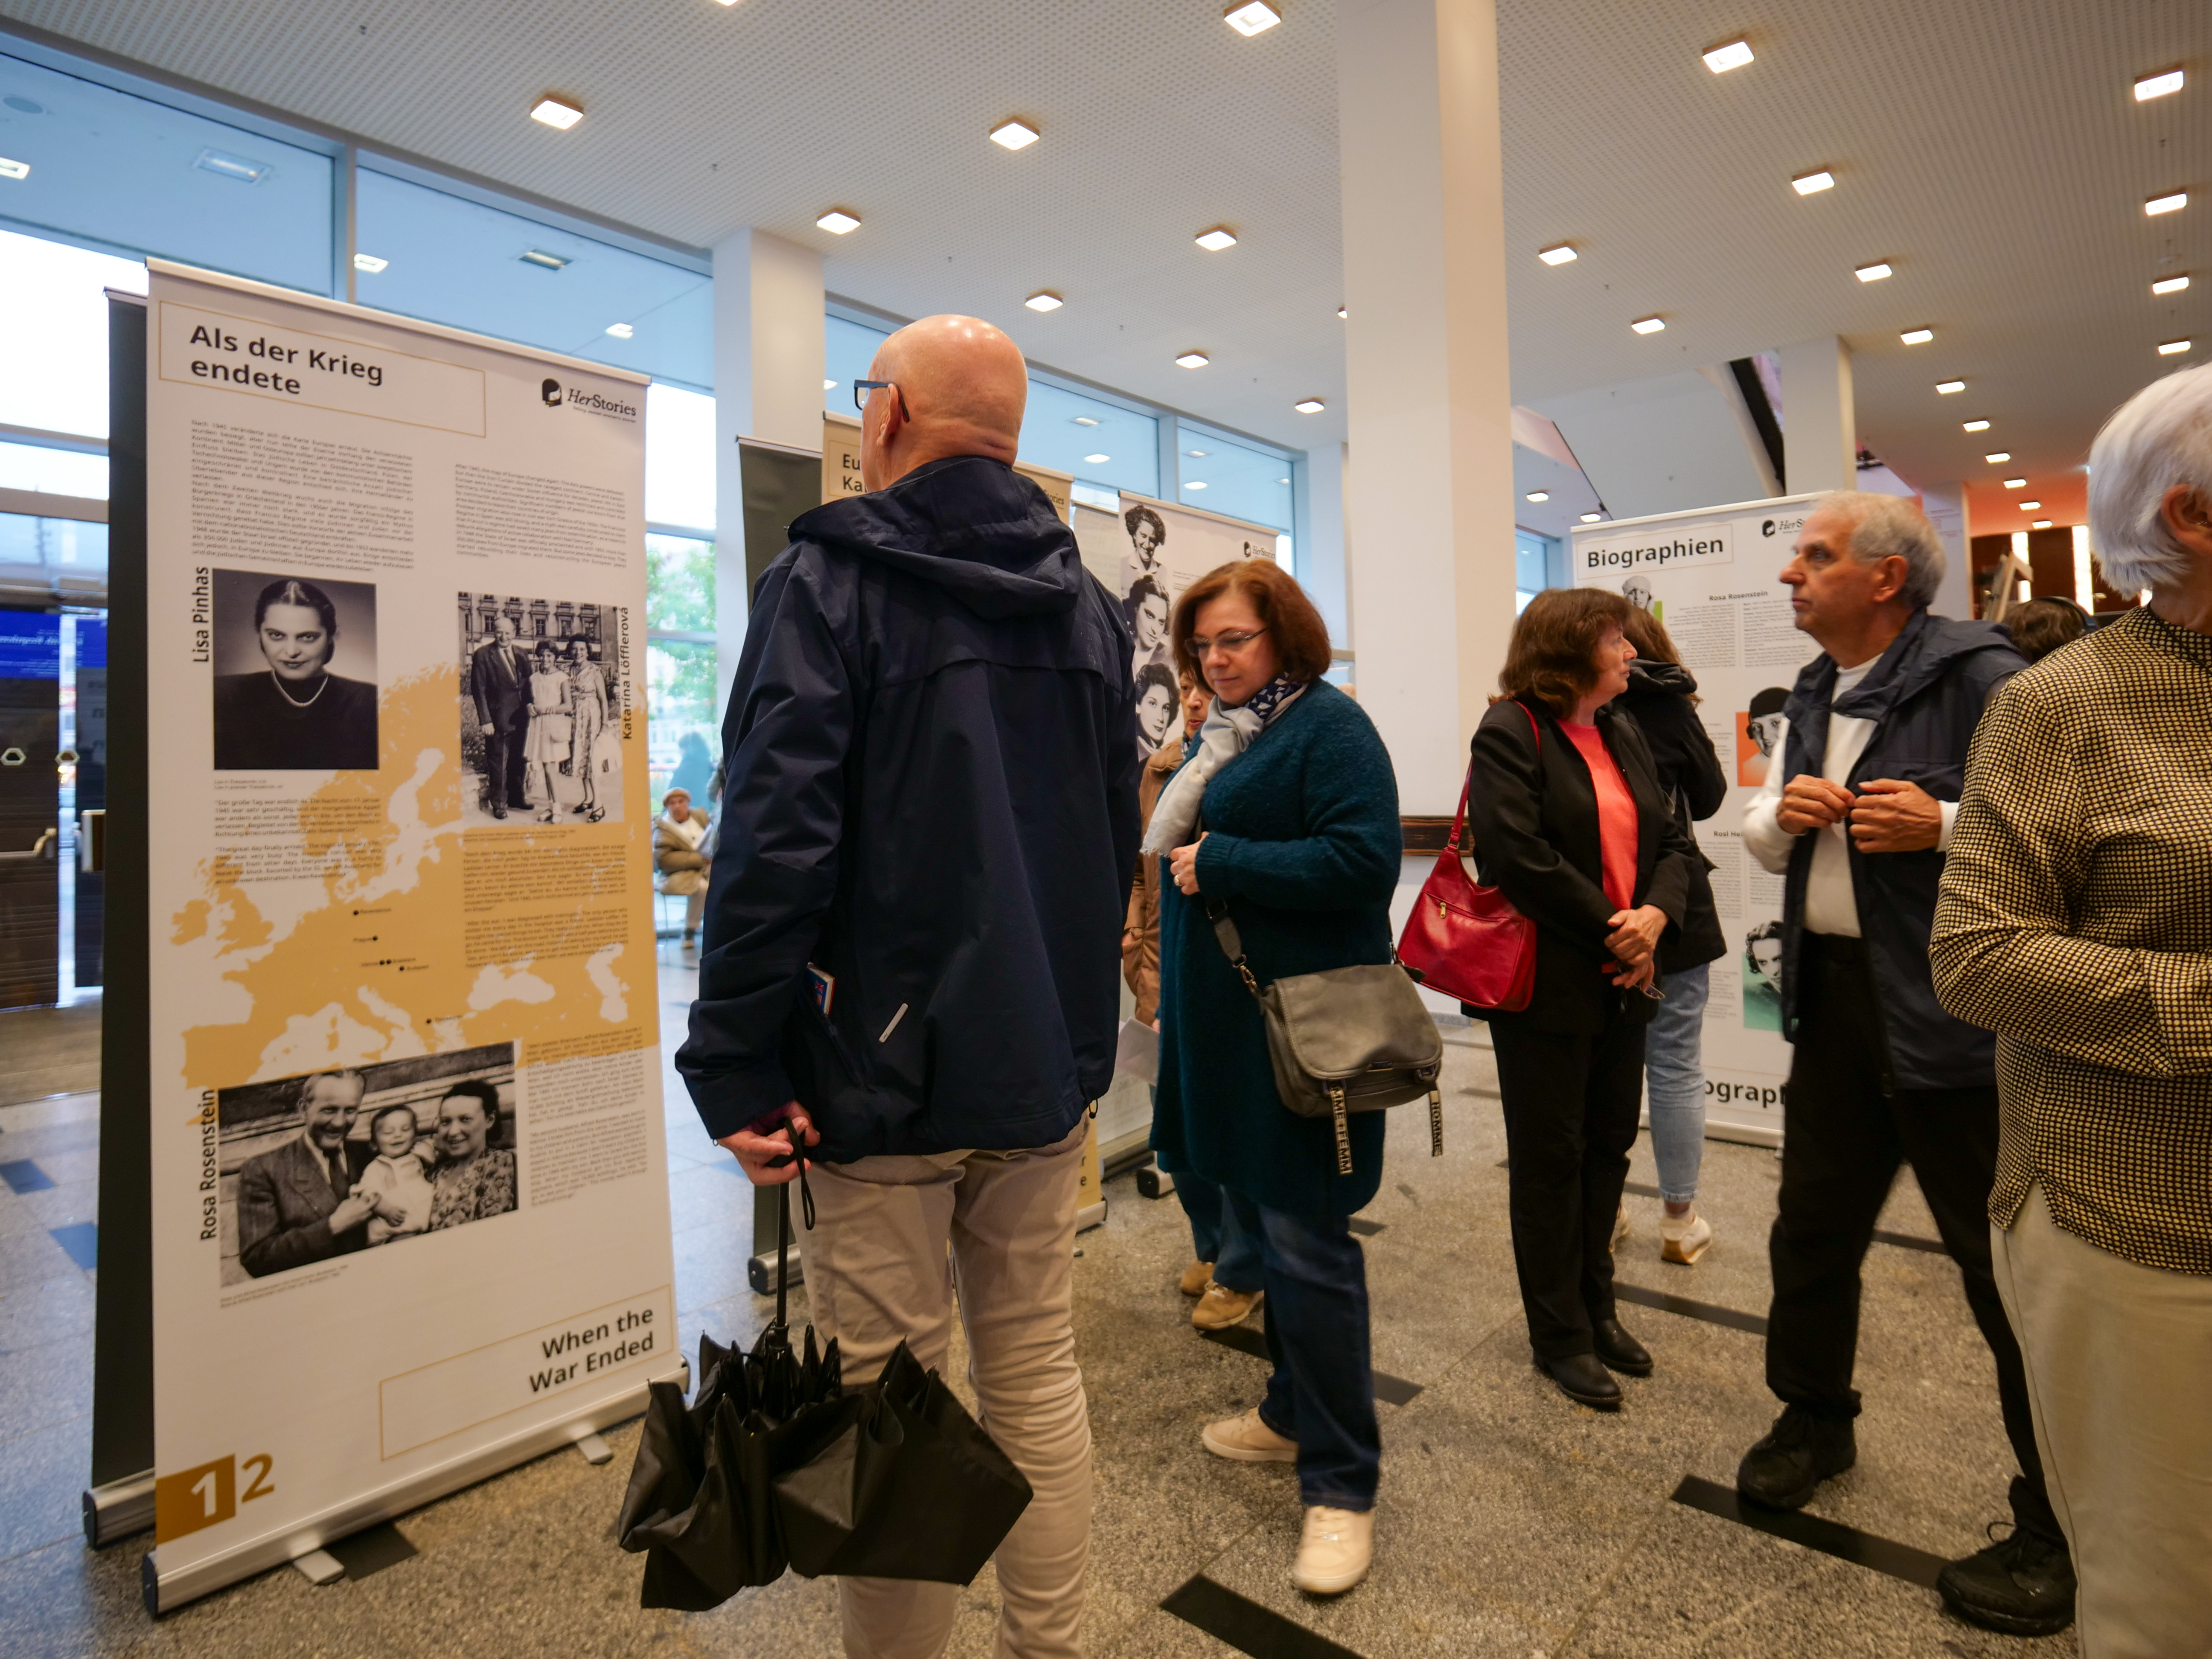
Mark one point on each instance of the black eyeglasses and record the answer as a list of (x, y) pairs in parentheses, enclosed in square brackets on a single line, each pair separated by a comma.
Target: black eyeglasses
[(862, 388)]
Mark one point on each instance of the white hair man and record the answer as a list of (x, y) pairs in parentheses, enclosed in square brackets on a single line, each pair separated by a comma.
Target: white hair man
[(1855, 812), (2076, 920)]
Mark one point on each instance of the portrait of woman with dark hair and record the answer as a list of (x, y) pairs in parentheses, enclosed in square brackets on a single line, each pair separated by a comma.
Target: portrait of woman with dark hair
[(292, 714), (1147, 535), (1158, 696)]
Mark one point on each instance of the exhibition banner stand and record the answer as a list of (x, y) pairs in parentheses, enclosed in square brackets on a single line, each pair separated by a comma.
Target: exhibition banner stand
[(1713, 578), (409, 1196)]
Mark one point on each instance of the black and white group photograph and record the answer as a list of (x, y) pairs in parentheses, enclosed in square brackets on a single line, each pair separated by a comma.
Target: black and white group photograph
[(295, 673), (540, 703), (318, 1167)]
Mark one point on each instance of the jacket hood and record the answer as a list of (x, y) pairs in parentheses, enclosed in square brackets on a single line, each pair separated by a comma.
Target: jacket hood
[(1668, 678), (971, 525)]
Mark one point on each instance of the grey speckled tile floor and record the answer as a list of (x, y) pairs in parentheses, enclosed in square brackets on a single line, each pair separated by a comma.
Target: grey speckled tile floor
[(1511, 1522)]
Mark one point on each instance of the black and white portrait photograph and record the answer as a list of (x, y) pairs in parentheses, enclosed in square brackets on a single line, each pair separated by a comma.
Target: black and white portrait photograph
[(295, 673), (540, 694), (1762, 977), (318, 1167)]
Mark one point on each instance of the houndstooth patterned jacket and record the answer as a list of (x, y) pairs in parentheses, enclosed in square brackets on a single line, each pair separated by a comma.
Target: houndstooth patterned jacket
[(2075, 922)]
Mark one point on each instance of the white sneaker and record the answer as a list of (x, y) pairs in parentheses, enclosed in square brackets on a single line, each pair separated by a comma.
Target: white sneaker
[(1334, 1552), (1247, 1439), (1683, 1238)]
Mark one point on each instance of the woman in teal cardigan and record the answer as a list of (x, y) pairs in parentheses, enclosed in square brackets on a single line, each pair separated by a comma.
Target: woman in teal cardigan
[(1287, 812)]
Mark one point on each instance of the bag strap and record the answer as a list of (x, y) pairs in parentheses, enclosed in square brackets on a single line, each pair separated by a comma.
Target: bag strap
[(1232, 942), (1459, 818)]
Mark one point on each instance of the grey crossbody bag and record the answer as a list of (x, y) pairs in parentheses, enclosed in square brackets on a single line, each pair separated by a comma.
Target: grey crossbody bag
[(1345, 1040)]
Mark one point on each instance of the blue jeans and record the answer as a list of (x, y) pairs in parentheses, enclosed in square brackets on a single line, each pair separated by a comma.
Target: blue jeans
[(1674, 1082), (1216, 1235), (1322, 1392)]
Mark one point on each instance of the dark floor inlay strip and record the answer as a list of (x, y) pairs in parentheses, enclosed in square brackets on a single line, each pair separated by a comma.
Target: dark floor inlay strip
[(1639, 1189), (81, 1240), (24, 1176), (371, 1550), (1829, 1537), (1246, 1625), (1675, 1304), (1246, 1339), (1907, 1241), (1364, 1227)]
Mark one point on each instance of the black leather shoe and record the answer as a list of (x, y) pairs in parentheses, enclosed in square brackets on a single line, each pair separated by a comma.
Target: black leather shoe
[(1583, 1380), (2023, 1587), (1619, 1351), (1799, 1452), (498, 811)]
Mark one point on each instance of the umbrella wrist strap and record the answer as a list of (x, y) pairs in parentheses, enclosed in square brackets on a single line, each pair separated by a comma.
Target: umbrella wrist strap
[(783, 1233)]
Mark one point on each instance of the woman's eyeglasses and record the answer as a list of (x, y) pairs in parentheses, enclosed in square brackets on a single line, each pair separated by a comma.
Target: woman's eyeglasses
[(1228, 644)]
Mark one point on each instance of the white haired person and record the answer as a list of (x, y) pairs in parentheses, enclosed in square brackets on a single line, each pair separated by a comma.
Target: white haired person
[(1854, 815), (680, 862), (2076, 920)]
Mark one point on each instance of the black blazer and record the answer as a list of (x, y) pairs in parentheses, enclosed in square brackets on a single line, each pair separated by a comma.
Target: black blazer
[(1531, 815), (1690, 775)]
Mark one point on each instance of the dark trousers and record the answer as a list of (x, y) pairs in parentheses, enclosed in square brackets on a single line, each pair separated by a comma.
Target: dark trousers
[(1845, 1133), (1570, 1107), (503, 764), (1322, 1392)]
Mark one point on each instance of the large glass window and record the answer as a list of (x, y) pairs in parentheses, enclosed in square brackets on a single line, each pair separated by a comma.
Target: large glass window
[(1223, 475), (425, 253), (1102, 444), (847, 348), (679, 458), (55, 378), (682, 726), (109, 168)]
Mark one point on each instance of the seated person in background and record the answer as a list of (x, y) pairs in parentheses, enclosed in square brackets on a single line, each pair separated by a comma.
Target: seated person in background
[(395, 1183), (2041, 626), (678, 860)]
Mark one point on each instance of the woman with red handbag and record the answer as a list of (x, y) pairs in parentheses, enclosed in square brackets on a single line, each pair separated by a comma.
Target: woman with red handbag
[(1568, 820)]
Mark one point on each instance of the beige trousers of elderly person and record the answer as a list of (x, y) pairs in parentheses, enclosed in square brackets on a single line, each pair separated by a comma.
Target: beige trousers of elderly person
[(877, 1270), (2117, 1355)]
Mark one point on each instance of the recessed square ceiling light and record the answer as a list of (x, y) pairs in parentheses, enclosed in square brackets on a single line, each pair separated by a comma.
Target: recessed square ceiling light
[(1251, 18), (1649, 324), (1590, 518), (2016, 483), (1282, 480), (1917, 335), (1195, 455), (2030, 507), (232, 166), (2170, 285), (1978, 425), (621, 330), (2171, 348), (556, 113), (831, 386), (22, 170), (1045, 300), (543, 260), (1558, 254), (1193, 359), (1216, 239), (1309, 405), (1734, 55), (2157, 86), (1873, 273), (1539, 495), (1811, 184), (2173, 204), (2041, 524), (1998, 457), (369, 263), (1085, 420), (1097, 460), (1947, 387), (838, 222), (1341, 311), (1013, 135), (1195, 483)]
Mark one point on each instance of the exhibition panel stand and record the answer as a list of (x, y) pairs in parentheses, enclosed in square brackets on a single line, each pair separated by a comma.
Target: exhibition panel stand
[(384, 1188), (1712, 577)]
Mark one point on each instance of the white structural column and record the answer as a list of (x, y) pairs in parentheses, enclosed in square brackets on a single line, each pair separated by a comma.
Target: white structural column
[(1819, 428), (1319, 556), (767, 384), (1949, 511), (1429, 478)]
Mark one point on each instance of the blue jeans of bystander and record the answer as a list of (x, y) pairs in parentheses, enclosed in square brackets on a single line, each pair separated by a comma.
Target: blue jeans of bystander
[(1215, 1234), (1674, 1082)]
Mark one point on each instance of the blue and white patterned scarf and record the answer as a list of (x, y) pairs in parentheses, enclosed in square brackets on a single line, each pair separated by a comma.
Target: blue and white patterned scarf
[(1226, 735)]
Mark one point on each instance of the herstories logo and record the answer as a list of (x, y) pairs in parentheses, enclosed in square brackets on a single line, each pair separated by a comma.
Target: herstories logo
[(555, 395)]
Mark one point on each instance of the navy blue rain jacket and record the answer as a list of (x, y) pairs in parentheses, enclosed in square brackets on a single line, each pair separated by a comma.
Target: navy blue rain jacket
[(932, 796)]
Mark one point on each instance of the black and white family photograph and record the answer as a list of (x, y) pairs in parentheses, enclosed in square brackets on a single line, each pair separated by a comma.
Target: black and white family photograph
[(317, 1167), (295, 673), (540, 694)]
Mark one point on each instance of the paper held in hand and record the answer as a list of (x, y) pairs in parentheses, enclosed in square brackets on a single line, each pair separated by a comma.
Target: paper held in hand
[(1138, 1053)]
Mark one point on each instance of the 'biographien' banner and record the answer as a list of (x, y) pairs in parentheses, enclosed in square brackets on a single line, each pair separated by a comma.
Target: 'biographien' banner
[(409, 1202)]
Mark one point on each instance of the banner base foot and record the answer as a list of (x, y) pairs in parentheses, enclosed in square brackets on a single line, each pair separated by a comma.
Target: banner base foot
[(595, 1449), (319, 1567), (118, 1510), (760, 1271), (1153, 1182), (1090, 1216)]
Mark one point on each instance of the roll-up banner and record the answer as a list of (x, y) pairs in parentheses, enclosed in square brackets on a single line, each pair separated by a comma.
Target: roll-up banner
[(841, 466), (410, 1193), (1713, 578)]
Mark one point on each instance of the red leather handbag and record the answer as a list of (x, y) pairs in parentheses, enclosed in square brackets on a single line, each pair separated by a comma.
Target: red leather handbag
[(1468, 941)]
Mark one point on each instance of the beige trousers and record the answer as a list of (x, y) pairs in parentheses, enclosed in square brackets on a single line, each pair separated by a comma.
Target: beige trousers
[(2117, 1357), (877, 1270)]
